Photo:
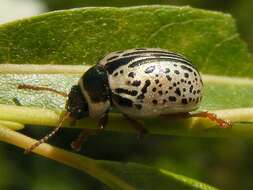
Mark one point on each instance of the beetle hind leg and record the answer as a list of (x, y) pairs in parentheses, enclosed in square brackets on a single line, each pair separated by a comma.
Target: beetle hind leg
[(213, 117), (142, 131)]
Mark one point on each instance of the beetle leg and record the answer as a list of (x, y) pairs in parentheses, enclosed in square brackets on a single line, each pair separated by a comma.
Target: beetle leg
[(213, 117), (205, 114), (83, 136), (142, 131)]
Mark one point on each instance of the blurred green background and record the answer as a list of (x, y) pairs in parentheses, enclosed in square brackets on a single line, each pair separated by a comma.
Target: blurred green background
[(225, 163)]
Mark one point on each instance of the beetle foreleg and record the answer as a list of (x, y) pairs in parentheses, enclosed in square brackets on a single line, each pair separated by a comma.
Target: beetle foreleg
[(83, 136)]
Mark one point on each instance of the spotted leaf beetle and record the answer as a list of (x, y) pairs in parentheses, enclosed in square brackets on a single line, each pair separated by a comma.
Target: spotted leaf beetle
[(144, 82)]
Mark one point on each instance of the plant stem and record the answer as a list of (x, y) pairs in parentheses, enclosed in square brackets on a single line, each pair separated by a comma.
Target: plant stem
[(11, 125), (199, 127), (71, 159)]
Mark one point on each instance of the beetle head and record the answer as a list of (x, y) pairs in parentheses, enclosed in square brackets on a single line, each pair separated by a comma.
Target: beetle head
[(76, 104)]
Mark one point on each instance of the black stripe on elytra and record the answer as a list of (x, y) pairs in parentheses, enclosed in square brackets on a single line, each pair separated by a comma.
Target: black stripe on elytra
[(156, 53), (150, 52), (147, 60), (124, 102), (112, 57), (186, 68), (113, 65), (125, 91)]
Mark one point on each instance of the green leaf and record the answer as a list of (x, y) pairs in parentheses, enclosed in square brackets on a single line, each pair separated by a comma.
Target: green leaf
[(39, 51), (83, 36)]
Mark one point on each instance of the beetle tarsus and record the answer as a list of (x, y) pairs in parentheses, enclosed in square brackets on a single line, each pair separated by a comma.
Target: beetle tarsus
[(213, 117)]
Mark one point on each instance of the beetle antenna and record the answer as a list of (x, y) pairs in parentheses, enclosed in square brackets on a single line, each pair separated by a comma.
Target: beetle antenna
[(40, 88), (48, 136)]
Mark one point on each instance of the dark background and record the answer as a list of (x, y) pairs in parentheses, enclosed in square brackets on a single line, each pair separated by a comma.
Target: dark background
[(225, 163)]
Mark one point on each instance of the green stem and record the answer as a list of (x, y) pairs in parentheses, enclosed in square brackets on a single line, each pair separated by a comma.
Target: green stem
[(199, 127), (74, 160), (11, 125)]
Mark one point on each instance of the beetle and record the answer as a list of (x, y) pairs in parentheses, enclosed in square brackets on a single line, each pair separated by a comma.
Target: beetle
[(143, 82)]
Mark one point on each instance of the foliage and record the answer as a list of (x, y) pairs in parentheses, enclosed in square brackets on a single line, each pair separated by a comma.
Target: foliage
[(82, 36)]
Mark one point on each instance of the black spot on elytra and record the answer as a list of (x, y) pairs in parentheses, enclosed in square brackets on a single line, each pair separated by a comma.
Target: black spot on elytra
[(189, 82), (125, 91), (160, 85), (164, 101), (160, 92), (154, 102), (172, 98), (191, 88), (194, 92), (156, 81), (195, 74), (182, 80), (198, 91), (121, 71), (136, 83), (177, 72), (178, 92), (174, 84), (170, 87), (166, 92), (178, 82), (184, 101), (144, 89), (167, 70), (186, 68), (154, 89), (186, 75), (138, 106), (131, 74), (168, 77), (175, 65), (190, 99), (150, 69), (184, 89), (115, 74)]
